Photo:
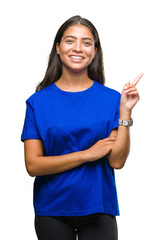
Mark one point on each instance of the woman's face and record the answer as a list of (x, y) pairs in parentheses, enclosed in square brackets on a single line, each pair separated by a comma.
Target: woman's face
[(76, 49)]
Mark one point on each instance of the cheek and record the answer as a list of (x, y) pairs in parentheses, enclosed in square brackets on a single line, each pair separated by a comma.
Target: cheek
[(65, 48), (90, 52)]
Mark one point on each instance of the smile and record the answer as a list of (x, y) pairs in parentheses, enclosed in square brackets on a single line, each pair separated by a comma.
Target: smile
[(77, 57)]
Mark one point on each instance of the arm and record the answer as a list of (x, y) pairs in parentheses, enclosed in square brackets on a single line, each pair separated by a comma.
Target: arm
[(120, 150), (37, 164), (121, 147)]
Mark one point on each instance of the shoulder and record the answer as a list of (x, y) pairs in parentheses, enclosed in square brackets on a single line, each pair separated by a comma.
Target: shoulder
[(107, 91), (40, 95)]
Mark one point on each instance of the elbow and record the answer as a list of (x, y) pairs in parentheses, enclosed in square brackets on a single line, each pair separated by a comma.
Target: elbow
[(30, 171), (30, 168), (117, 166), (31, 174), (117, 163)]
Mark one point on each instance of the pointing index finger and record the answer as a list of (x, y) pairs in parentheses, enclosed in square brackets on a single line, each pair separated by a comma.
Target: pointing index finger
[(137, 78)]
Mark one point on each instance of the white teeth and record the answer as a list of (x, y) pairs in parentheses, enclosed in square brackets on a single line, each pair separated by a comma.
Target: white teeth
[(76, 57)]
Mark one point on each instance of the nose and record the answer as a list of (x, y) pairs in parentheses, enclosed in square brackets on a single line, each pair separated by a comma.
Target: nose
[(77, 46)]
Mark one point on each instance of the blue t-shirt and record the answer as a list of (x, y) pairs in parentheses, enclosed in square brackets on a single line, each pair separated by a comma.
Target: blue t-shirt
[(68, 122)]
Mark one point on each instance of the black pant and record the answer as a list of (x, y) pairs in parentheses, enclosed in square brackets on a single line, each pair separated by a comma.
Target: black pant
[(97, 226)]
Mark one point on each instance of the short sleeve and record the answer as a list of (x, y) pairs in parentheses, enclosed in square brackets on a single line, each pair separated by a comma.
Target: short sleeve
[(30, 130), (117, 115)]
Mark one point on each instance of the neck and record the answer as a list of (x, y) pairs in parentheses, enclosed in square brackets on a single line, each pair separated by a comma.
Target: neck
[(74, 79)]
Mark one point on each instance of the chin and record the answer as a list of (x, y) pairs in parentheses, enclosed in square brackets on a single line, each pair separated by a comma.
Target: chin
[(77, 69)]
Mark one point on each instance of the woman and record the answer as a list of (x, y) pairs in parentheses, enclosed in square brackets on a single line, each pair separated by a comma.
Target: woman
[(74, 139)]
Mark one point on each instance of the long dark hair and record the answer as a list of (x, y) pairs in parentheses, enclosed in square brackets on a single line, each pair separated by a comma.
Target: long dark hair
[(54, 69)]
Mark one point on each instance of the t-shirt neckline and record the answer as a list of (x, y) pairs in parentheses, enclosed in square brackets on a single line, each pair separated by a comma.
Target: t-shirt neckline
[(88, 90)]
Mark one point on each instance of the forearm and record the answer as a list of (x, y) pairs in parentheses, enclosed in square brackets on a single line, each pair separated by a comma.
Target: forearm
[(43, 165), (121, 147)]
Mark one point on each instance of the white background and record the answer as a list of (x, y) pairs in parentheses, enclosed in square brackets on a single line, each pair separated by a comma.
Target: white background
[(133, 41)]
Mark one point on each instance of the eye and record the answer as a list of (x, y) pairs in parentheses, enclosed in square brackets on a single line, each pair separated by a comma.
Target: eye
[(69, 41), (87, 43)]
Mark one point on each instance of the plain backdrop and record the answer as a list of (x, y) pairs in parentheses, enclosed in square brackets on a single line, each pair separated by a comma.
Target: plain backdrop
[(133, 41)]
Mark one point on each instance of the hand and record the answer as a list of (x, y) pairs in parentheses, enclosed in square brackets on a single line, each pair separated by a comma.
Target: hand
[(100, 149), (130, 95)]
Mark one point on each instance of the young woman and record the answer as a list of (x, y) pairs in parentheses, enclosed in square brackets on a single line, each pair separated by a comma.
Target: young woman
[(74, 139)]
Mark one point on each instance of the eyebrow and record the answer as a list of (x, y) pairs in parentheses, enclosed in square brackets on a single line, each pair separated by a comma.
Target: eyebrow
[(84, 38)]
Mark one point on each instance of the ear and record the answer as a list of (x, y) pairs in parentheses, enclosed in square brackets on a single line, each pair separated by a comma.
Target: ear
[(95, 53), (58, 48)]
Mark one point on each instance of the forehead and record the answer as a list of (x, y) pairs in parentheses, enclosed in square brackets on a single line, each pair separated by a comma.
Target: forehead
[(78, 31)]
